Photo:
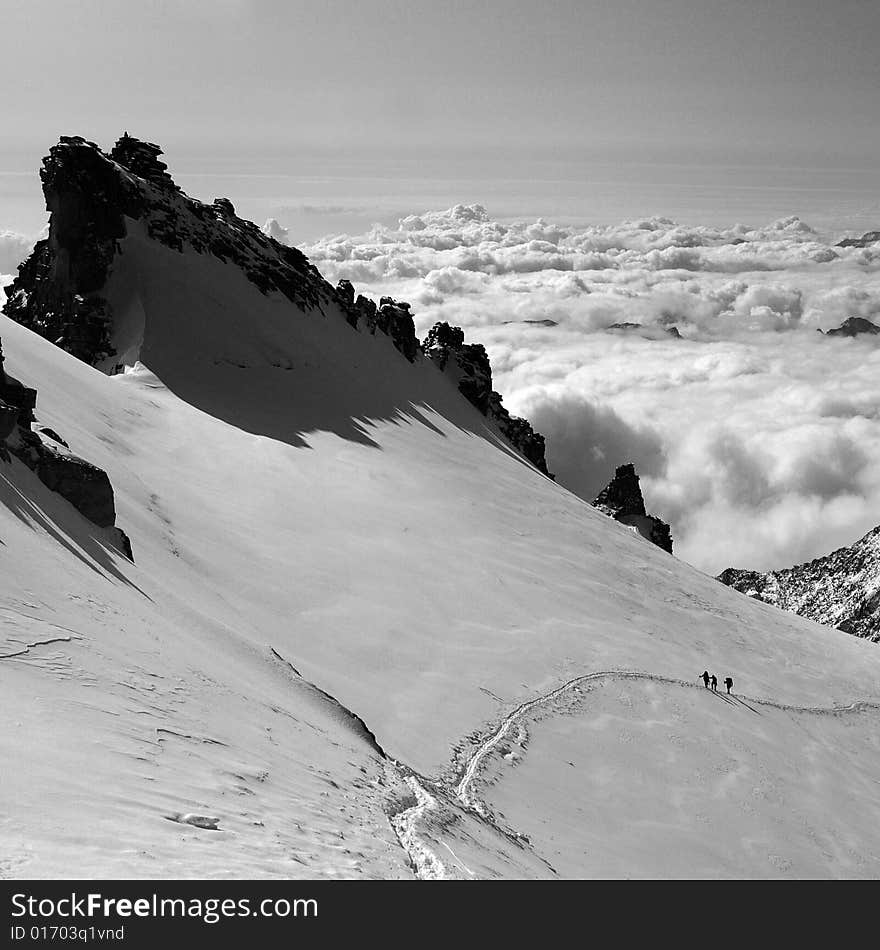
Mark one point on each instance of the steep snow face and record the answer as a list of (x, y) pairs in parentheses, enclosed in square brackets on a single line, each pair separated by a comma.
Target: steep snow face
[(841, 589), (338, 556)]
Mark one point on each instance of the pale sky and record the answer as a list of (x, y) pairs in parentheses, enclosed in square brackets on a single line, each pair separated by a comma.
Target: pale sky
[(795, 81), (711, 111)]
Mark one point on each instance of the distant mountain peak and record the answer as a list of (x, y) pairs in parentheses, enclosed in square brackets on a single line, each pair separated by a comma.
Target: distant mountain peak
[(869, 237), (841, 589), (853, 326)]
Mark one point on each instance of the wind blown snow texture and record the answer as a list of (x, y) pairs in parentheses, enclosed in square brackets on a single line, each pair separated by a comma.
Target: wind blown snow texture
[(756, 437)]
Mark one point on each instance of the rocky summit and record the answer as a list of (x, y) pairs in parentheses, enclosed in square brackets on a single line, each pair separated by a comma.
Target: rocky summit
[(841, 589), (622, 500), (97, 199), (92, 199)]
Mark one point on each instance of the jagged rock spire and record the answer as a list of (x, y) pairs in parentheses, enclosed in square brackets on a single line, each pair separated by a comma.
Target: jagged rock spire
[(141, 159), (622, 500), (445, 347), (623, 494)]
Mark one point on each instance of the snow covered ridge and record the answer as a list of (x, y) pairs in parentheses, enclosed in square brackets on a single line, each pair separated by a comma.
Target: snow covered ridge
[(61, 291), (90, 194), (841, 589)]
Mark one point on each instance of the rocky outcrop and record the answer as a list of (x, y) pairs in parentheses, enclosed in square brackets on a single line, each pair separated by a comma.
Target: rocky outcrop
[(840, 590), (469, 364), (670, 331), (8, 421), (445, 344), (17, 403), (546, 323), (853, 327), (83, 485), (869, 237), (392, 317), (622, 500)]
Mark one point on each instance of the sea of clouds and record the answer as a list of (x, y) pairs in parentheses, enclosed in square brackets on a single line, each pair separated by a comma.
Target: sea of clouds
[(757, 438)]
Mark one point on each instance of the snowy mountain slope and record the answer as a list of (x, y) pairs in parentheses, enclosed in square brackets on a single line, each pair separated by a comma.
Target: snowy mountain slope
[(841, 589), (669, 780), (297, 493)]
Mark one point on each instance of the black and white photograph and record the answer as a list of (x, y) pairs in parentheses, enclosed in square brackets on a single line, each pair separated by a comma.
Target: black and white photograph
[(438, 442)]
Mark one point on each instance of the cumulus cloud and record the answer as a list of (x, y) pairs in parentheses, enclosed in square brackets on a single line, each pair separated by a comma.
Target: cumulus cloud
[(757, 437), (274, 230), (586, 441), (14, 248)]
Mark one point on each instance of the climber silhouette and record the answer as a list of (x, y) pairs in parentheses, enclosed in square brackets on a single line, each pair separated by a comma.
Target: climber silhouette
[(728, 682), (714, 683), (705, 678)]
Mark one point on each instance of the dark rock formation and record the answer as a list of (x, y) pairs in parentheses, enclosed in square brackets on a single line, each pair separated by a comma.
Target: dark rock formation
[(345, 291), (623, 494), (84, 485), (840, 590), (8, 420), (224, 206), (394, 319), (672, 331), (534, 323), (869, 237), (519, 433), (142, 159), (853, 326), (19, 401), (622, 500), (444, 343), (469, 363)]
